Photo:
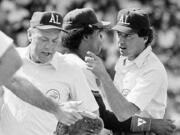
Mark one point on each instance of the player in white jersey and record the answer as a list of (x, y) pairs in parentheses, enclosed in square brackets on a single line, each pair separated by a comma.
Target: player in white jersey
[(21, 87), (84, 35), (10, 63), (140, 76), (55, 78)]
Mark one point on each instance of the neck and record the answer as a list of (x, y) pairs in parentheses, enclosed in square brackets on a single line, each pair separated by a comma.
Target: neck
[(79, 53), (131, 58)]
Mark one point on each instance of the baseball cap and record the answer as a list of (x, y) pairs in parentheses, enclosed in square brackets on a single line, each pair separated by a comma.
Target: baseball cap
[(47, 20), (79, 18), (132, 20)]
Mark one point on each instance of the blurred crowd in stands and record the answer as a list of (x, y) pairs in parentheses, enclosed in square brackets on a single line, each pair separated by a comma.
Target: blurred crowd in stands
[(164, 16)]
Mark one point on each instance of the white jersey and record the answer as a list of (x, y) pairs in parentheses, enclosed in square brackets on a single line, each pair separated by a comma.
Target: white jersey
[(94, 83), (144, 83), (59, 81)]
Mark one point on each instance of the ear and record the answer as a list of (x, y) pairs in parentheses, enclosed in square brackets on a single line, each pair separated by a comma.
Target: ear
[(86, 37), (145, 39)]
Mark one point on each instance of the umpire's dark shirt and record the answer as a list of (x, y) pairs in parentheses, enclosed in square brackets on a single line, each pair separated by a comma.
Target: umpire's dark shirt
[(109, 118)]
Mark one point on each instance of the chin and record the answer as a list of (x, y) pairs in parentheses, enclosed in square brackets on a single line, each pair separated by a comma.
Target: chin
[(45, 60), (98, 52), (123, 54)]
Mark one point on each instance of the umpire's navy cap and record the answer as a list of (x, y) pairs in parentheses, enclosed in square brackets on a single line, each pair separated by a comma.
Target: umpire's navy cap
[(84, 17), (47, 20), (132, 21)]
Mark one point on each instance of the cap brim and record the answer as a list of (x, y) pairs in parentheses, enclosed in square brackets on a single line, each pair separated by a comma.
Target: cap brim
[(44, 27), (123, 29), (103, 25)]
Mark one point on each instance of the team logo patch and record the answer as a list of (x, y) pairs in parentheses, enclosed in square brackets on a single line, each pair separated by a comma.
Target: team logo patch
[(53, 94), (125, 92), (141, 122)]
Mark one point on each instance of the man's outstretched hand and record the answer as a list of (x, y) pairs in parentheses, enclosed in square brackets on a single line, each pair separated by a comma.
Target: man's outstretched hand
[(68, 113)]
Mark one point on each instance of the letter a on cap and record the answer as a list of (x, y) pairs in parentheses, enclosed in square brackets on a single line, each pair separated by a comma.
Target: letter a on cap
[(123, 19), (54, 19)]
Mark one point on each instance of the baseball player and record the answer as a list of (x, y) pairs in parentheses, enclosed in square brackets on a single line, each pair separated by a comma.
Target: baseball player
[(140, 83), (54, 77), (84, 35), (10, 63), (21, 87)]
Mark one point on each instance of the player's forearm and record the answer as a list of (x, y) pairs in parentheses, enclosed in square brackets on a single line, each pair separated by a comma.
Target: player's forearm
[(119, 105), (25, 90), (9, 64), (110, 120)]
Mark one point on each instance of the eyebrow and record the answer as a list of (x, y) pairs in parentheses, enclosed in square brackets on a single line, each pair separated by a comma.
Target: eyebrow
[(55, 38), (124, 34), (45, 37)]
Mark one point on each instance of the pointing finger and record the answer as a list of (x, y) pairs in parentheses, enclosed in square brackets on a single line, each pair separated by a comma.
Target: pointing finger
[(91, 54)]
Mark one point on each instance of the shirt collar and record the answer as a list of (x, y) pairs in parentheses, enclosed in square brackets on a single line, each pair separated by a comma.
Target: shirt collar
[(53, 62), (142, 57), (75, 58)]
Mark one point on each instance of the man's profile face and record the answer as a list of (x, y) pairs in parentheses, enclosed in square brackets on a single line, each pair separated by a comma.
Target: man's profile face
[(130, 45), (44, 44), (94, 42)]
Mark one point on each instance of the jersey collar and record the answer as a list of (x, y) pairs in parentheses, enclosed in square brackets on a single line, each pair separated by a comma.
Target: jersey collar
[(142, 57), (53, 62)]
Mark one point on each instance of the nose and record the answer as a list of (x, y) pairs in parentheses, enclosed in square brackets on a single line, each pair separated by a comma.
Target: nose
[(99, 45), (122, 39), (47, 45), (121, 42)]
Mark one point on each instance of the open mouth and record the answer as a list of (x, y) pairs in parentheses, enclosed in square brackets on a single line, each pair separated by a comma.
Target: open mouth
[(46, 53), (123, 48)]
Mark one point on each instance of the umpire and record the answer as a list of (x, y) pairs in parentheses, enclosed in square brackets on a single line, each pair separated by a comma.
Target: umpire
[(140, 76)]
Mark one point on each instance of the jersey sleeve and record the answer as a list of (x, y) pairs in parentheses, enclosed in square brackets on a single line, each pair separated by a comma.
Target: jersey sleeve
[(5, 43), (82, 92), (146, 88)]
